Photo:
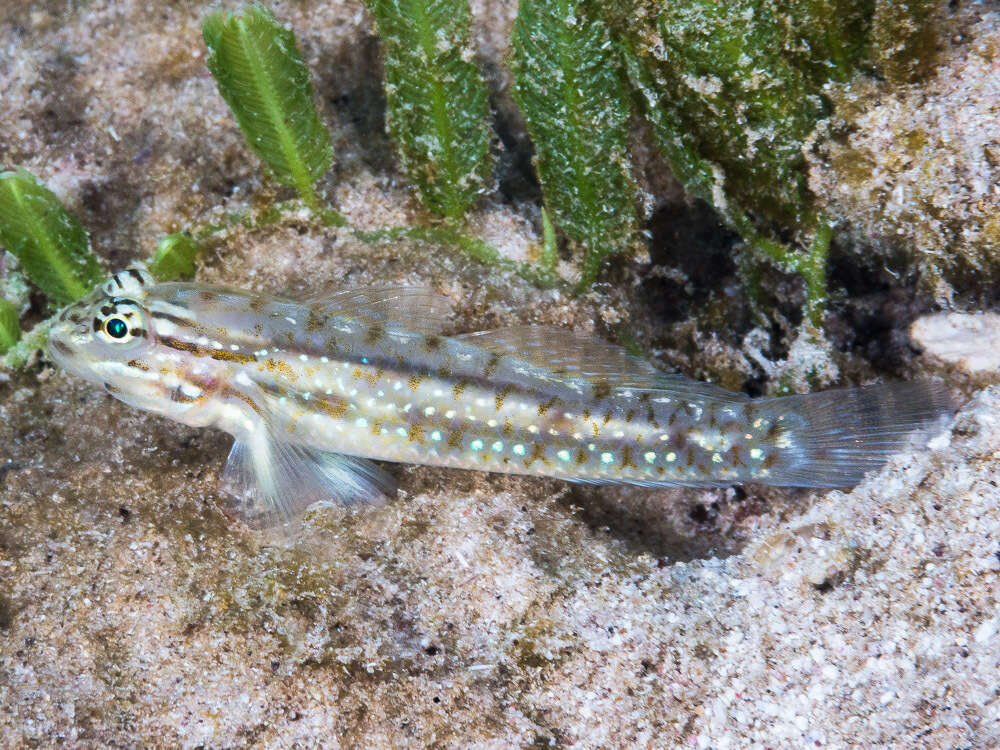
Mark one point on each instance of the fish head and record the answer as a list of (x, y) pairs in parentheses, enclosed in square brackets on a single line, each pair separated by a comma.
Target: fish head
[(103, 336)]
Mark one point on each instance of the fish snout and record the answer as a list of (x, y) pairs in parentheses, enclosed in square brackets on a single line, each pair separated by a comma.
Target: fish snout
[(66, 337)]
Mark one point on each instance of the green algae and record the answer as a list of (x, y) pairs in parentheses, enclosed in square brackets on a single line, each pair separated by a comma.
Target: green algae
[(570, 90), (437, 102), (260, 73), (10, 329), (51, 244), (732, 92)]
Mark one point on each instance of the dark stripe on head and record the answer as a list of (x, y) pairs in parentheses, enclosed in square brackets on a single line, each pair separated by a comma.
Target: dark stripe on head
[(176, 320), (136, 275)]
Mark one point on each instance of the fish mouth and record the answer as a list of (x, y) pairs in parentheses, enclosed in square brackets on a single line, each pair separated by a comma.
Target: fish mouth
[(58, 349)]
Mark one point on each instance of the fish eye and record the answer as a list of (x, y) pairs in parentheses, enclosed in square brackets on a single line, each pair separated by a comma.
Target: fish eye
[(116, 327)]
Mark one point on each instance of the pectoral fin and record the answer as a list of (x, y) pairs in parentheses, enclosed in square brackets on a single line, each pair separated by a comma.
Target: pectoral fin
[(274, 481)]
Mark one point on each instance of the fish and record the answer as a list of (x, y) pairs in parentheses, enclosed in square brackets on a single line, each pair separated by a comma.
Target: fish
[(316, 391)]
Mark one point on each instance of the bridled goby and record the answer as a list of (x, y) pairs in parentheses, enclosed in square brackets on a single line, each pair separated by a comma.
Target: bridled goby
[(310, 390)]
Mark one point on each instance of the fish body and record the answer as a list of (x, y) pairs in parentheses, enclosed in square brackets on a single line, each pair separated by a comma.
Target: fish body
[(310, 390)]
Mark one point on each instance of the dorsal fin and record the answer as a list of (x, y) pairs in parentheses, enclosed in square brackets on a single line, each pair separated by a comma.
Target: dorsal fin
[(564, 351), (415, 308), (589, 360)]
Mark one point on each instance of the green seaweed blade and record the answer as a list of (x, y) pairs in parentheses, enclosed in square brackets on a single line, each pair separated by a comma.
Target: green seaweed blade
[(570, 91), (260, 73), (10, 328), (438, 106), (174, 257), (50, 243)]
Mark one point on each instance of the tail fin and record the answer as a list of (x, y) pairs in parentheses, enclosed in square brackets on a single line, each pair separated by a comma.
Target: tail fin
[(836, 437)]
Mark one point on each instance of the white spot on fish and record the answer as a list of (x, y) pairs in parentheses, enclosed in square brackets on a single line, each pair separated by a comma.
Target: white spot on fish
[(191, 391)]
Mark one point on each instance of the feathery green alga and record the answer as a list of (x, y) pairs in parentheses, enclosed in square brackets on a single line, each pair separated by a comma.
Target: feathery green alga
[(174, 257), (438, 106), (575, 104), (49, 242), (260, 73), (10, 328)]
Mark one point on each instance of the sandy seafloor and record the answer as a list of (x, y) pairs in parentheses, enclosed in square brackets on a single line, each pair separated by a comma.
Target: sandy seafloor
[(472, 610)]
